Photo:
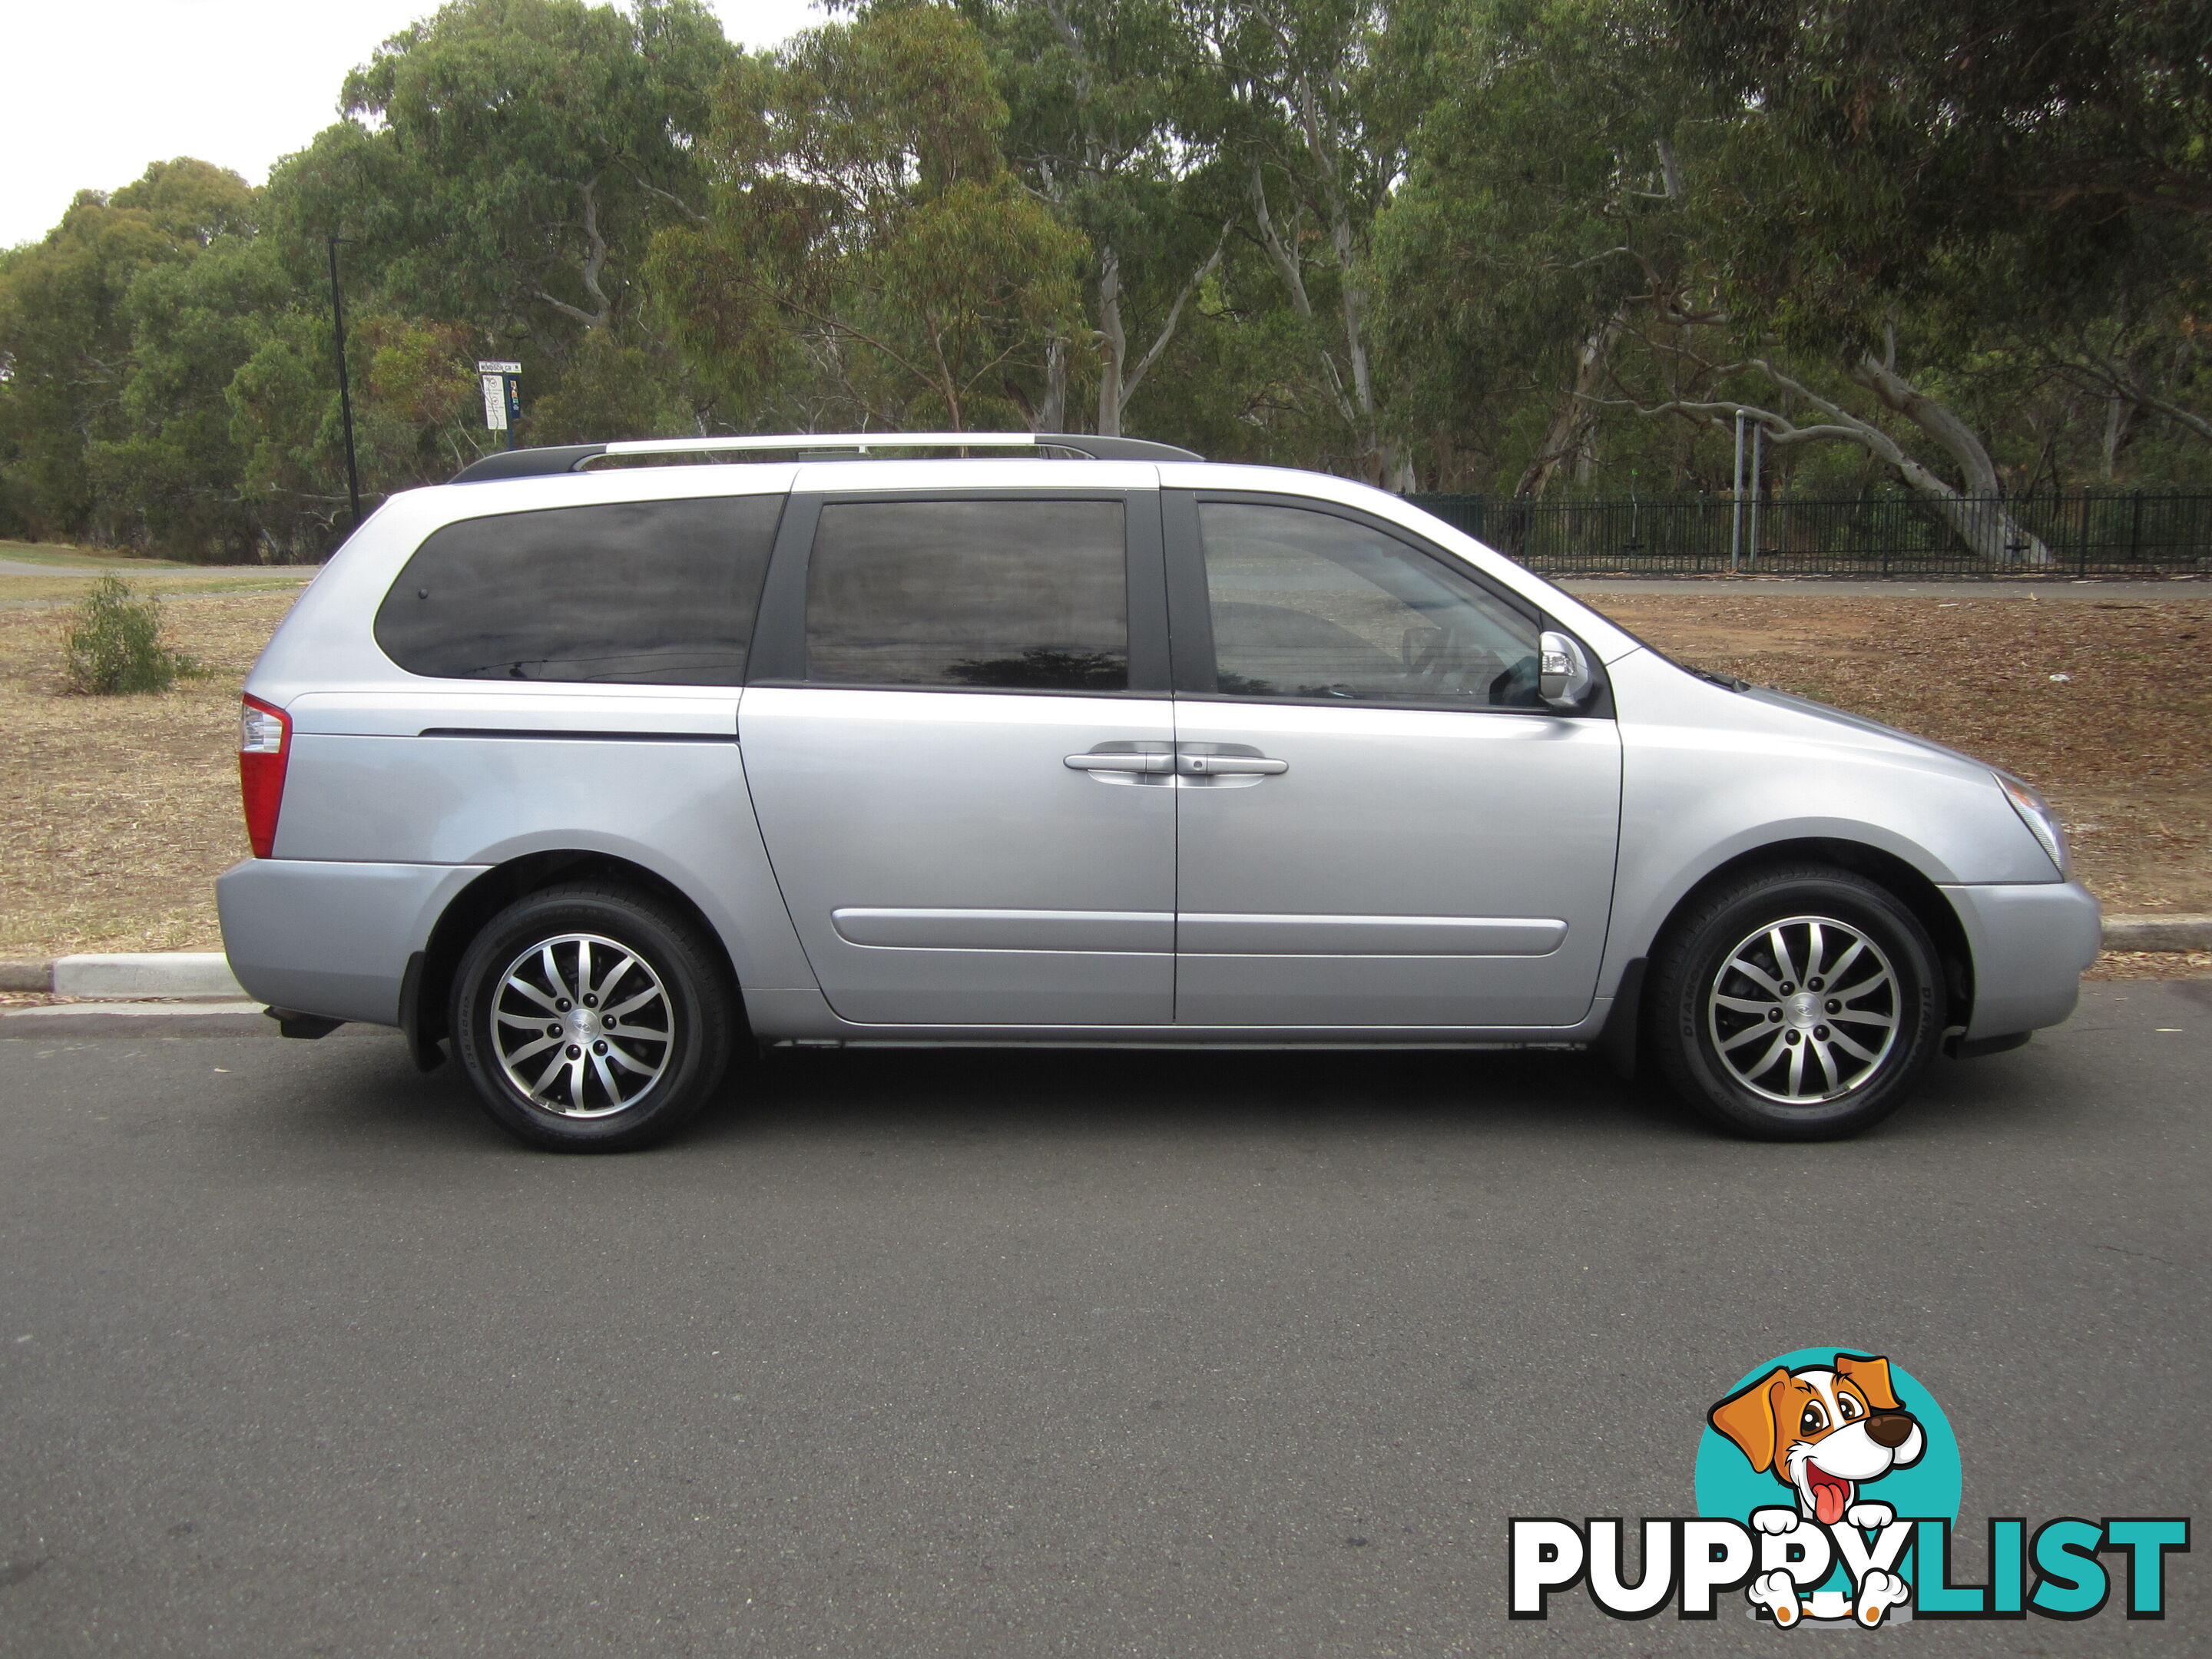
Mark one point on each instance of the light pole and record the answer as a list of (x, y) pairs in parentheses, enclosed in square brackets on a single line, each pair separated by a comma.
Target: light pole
[(345, 391)]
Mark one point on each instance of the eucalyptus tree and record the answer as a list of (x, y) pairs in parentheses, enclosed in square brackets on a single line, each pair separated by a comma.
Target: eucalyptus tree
[(1546, 226), (1098, 125), (67, 335), (2033, 176), (2130, 337), (172, 473), (506, 162), (1975, 114), (1313, 100), (1624, 240), (863, 230), (1811, 353)]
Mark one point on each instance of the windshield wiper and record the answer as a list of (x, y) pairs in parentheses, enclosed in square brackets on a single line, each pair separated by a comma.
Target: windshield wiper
[(1726, 682)]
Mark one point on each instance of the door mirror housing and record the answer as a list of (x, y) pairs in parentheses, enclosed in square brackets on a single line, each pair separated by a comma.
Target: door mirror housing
[(1565, 680)]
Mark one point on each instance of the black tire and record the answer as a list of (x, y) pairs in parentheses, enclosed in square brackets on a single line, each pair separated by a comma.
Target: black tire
[(1720, 974), (672, 1018)]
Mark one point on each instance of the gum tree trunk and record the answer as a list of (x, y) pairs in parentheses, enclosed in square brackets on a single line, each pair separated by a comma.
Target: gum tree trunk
[(1569, 430), (1983, 525)]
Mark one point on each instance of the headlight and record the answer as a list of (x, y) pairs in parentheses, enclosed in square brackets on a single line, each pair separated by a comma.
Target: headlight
[(2035, 813)]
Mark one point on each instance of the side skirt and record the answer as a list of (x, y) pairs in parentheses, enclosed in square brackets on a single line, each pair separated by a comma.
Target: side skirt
[(803, 1019)]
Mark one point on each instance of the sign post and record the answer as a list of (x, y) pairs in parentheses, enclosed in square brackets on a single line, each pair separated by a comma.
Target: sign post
[(503, 396)]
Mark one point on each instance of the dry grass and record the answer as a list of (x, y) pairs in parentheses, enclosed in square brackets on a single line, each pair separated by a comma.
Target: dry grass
[(117, 813)]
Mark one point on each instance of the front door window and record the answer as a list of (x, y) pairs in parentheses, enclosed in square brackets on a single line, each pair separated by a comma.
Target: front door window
[(1310, 607)]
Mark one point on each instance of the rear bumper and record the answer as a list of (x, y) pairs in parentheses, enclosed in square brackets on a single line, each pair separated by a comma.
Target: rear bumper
[(331, 938), (2031, 943)]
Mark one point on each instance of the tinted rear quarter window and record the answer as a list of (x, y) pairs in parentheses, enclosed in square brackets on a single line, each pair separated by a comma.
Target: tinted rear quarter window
[(633, 592), (1008, 595)]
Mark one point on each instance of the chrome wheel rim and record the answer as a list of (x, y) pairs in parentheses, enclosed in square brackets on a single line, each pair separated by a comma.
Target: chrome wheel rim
[(1803, 1011), (582, 1026)]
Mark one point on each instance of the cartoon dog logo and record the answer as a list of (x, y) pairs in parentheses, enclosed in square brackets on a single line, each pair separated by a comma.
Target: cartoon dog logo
[(1826, 1432)]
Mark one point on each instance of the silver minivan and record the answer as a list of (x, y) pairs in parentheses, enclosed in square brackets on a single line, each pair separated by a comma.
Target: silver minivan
[(594, 774)]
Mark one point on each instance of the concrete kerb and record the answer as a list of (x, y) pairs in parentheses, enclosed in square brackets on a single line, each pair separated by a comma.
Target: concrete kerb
[(198, 975), (2158, 932), (192, 993)]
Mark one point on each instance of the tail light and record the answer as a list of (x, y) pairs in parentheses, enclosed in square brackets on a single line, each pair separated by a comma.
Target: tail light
[(265, 744)]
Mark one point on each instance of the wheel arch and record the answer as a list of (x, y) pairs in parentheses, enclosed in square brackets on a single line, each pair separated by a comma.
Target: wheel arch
[(1910, 886), (423, 1012)]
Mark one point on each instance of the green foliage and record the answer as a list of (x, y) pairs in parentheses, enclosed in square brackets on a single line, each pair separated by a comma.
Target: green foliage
[(1511, 247), (1551, 187), (514, 156), (863, 221), (1979, 114), (66, 328), (1109, 111), (114, 647)]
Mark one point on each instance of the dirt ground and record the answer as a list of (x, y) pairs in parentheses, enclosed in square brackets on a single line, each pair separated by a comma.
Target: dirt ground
[(116, 814)]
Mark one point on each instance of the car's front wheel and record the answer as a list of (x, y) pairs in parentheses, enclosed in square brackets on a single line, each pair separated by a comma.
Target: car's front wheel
[(1796, 1005), (591, 1018)]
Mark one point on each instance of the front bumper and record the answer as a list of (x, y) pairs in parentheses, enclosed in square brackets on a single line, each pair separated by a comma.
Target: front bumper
[(2031, 943), (331, 938)]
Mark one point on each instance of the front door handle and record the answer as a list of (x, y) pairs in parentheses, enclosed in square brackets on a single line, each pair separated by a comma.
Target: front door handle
[(1207, 766)]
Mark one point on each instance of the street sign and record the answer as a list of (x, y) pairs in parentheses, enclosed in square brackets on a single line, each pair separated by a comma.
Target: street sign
[(499, 368), (495, 401)]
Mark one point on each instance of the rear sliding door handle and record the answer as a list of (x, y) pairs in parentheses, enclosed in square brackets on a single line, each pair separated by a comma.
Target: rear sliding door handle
[(1209, 766), (1121, 761)]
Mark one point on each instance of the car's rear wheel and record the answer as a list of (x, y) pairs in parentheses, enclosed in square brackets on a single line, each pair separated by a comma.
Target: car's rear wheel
[(593, 1018), (1799, 1004)]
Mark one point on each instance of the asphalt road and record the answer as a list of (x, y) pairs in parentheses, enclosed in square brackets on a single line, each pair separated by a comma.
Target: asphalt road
[(993, 1354), (147, 569)]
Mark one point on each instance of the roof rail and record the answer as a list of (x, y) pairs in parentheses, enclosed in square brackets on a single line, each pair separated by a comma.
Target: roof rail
[(574, 458)]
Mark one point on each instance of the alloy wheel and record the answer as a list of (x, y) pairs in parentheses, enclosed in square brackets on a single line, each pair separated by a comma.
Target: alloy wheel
[(1803, 1011), (582, 1025)]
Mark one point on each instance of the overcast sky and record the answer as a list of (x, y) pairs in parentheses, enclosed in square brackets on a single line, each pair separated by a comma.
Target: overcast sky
[(94, 90)]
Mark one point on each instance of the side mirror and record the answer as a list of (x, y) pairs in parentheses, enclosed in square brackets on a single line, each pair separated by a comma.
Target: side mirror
[(1563, 679)]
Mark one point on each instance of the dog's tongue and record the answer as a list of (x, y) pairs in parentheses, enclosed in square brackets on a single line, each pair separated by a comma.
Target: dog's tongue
[(1829, 1499)]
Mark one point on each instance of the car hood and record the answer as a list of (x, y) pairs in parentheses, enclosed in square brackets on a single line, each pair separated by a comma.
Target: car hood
[(1823, 713)]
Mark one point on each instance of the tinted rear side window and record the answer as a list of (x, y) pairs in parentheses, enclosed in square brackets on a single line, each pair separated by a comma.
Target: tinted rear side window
[(634, 592), (1016, 596)]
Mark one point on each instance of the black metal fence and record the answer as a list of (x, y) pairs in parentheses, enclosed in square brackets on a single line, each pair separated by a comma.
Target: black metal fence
[(2111, 534)]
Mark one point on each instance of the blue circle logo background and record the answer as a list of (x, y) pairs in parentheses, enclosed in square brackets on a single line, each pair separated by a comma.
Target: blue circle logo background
[(1729, 1489)]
